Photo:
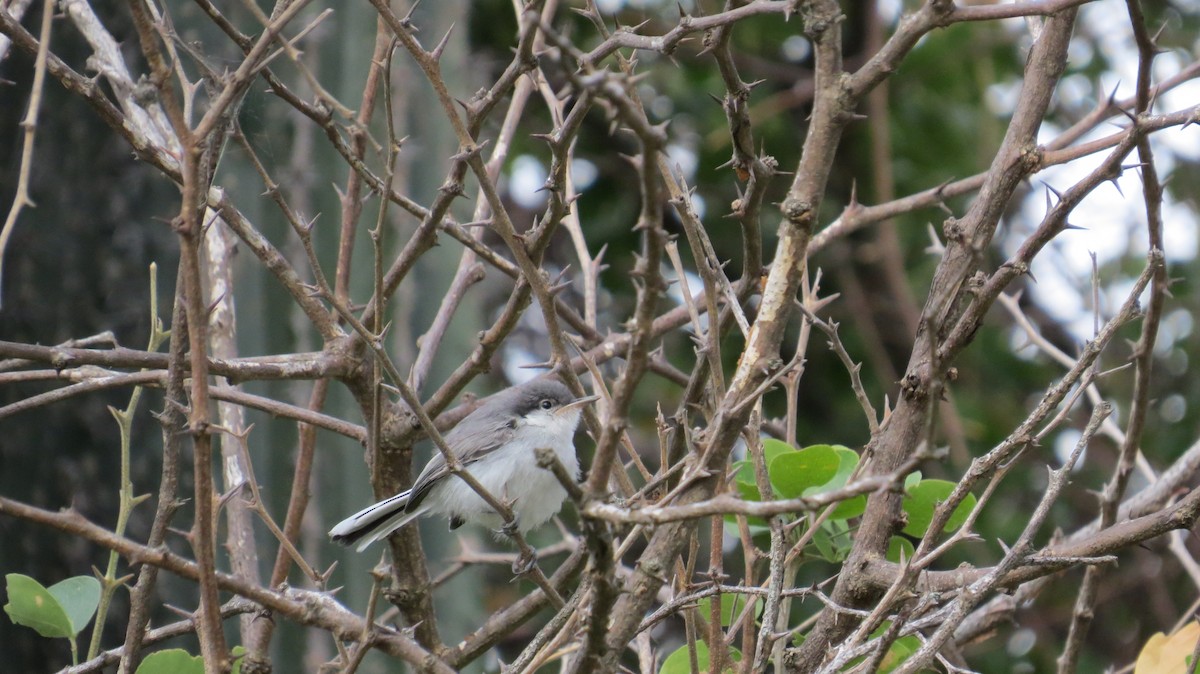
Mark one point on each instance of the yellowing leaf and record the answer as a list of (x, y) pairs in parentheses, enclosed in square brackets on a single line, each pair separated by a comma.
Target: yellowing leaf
[(1168, 654)]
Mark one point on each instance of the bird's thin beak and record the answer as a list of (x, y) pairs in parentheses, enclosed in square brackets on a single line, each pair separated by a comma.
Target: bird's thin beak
[(577, 403)]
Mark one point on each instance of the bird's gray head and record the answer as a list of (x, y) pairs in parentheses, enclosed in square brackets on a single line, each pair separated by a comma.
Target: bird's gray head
[(540, 394), (538, 402)]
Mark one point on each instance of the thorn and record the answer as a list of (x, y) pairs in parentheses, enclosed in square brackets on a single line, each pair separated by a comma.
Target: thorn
[(634, 29), (1117, 185), (187, 615), (1157, 34), (452, 188), (548, 138), (468, 152), (1112, 95), (436, 54), (325, 578), (637, 79), (1050, 188), (1069, 226), (561, 275), (407, 20), (212, 306), (587, 12), (1153, 98)]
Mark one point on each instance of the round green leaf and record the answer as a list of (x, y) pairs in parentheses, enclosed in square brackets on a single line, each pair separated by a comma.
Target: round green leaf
[(900, 650), (732, 606), (743, 478), (680, 662), (171, 661), (773, 448), (847, 462), (898, 545), (793, 472), (747, 488), (79, 597), (32, 605), (822, 541), (923, 498), (239, 655)]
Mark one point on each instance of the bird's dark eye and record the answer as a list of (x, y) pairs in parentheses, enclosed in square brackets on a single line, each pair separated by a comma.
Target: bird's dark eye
[(546, 404)]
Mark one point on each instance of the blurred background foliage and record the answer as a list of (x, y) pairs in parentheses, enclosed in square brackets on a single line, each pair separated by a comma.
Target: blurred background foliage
[(77, 267)]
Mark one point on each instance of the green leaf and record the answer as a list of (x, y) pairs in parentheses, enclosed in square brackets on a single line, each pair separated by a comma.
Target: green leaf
[(171, 661), (794, 472), (822, 540), (32, 605), (900, 650), (743, 480), (840, 535), (847, 462), (239, 653), (773, 448), (897, 545), (732, 606), (923, 498), (79, 597), (680, 662)]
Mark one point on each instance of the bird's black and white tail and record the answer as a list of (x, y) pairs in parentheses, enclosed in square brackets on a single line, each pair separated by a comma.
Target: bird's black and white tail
[(375, 522)]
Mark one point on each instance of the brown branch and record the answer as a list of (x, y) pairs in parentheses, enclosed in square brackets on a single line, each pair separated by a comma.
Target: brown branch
[(172, 421), (923, 383), (1143, 352), (21, 199), (300, 606), (315, 365), (234, 607)]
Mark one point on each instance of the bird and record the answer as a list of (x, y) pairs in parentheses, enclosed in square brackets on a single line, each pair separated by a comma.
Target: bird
[(497, 444)]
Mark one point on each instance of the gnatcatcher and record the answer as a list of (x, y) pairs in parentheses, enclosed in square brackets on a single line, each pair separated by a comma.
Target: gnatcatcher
[(497, 444)]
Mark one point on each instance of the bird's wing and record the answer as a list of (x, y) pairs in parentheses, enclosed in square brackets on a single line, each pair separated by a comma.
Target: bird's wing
[(470, 440)]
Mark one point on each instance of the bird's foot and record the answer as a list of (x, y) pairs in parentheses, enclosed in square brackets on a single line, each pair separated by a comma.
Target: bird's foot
[(509, 529), (523, 564)]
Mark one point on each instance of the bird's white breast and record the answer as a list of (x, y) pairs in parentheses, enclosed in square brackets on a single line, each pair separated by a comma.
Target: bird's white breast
[(511, 474)]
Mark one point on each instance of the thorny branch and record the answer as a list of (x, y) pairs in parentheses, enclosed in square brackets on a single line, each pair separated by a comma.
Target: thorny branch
[(642, 563)]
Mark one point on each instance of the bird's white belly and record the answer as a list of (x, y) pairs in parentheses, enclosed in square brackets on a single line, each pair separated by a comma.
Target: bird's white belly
[(512, 476)]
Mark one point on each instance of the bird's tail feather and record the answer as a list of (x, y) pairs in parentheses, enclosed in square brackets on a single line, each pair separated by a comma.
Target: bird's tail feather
[(375, 522)]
